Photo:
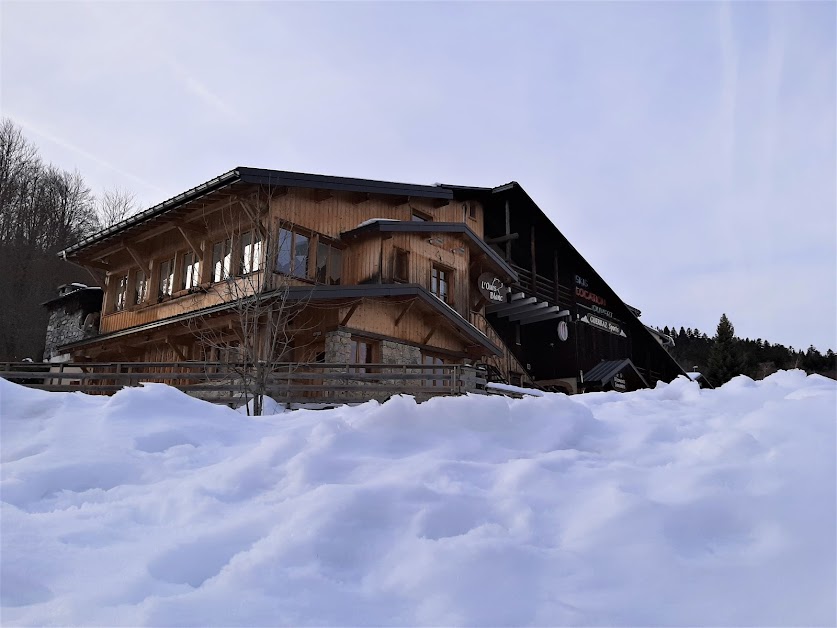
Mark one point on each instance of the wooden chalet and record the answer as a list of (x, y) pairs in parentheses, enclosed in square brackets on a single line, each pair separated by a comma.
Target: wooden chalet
[(360, 271)]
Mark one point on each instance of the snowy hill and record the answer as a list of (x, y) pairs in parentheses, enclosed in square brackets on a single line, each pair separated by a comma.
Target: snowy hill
[(659, 507)]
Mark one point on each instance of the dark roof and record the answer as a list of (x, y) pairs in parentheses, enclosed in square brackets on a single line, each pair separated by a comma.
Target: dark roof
[(261, 176), (408, 226), (307, 293), (80, 292), (606, 369)]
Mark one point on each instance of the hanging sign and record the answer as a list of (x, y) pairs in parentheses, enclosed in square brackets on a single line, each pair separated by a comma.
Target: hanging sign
[(619, 382), (492, 288), (602, 323), (563, 331)]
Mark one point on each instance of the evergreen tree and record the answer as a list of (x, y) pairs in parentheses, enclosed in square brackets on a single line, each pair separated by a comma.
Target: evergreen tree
[(725, 360)]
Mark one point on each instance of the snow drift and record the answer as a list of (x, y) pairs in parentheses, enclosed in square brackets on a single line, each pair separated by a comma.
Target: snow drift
[(659, 507)]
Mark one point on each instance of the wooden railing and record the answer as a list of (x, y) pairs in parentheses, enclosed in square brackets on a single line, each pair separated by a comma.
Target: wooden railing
[(543, 287), (226, 383)]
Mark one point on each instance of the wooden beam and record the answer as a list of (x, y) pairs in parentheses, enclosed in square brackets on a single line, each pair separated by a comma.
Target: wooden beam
[(176, 349), (256, 216), (429, 336), (404, 311), (92, 264), (139, 261), (502, 238), (555, 276), (321, 195), (508, 231), (349, 314), (182, 224), (98, 279), (534, 263), (195, 246)]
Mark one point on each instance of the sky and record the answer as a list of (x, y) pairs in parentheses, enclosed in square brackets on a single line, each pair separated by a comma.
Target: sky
[(688, 150)]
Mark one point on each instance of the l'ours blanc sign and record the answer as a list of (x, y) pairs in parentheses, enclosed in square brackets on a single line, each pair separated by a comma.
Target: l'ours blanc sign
[(492, 288)]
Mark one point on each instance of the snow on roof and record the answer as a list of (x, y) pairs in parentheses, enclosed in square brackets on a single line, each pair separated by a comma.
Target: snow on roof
[(372, 221), (153, 508)]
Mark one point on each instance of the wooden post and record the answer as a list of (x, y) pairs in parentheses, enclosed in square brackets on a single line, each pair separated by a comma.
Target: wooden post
[(555, 275), (508, 231), (534, 264)]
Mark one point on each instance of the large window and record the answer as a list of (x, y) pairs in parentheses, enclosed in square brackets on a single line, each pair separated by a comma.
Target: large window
[(360, 352), (221, 260), (329, 264), (121, 296), (166, 278), (250, 252), (190, 273), (440, 282), (140, 287), (292, 253)]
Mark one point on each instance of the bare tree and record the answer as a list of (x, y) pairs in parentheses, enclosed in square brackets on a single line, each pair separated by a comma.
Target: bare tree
[(262, 324), (42, 209), (115, 205)]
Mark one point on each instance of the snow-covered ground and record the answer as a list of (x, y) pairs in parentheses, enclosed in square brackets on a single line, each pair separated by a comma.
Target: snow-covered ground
[(659, 507)]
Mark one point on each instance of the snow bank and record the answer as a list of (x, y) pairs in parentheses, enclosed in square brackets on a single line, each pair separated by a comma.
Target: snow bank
[(667, 506)]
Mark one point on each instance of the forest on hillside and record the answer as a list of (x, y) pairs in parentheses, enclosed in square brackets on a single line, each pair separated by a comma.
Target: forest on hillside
[(723, 355), (43, 209)]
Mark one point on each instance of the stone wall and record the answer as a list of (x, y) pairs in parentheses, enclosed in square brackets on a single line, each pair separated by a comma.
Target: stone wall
[(65, 326)]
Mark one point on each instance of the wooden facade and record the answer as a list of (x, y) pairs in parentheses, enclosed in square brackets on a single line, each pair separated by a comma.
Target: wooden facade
[(395, 267)]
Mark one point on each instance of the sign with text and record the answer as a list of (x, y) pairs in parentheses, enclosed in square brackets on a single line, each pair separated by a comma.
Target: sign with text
[(602, 323), (492, 288), (619, 382)]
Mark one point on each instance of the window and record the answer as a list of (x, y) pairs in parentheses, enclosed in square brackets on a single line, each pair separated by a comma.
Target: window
[(401, 267), (250, 253), (329, 264), (166, 278), (440, 282), (190, 276), (418, 216), (292, 255), (360, 352), (121, 298), (437, 362), (221, 260), (140, 287)]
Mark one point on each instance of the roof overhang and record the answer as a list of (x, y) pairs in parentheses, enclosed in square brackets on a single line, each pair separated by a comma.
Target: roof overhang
[(260, 177)]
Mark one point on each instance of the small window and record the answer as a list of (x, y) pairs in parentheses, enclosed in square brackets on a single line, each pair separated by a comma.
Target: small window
[(472, 210), (401, 267), (419, 216), (250, 252), (190, 275), (360, 352), (440, 282), (121, 297), (221, 260), (166, 278), (140, 287)]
